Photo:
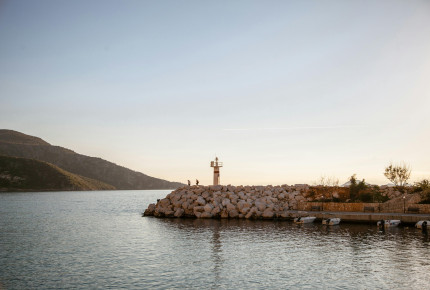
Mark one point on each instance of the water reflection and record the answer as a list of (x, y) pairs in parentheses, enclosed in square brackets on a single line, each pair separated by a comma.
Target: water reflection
[(425, 237), (56, 241), (216, 254), (357, 252)]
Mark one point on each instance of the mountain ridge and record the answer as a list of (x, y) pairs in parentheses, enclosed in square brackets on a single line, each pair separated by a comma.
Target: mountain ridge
[(17, 144), (22, 174)]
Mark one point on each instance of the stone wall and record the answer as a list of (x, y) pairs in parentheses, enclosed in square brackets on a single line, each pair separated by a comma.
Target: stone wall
[(338, 206)]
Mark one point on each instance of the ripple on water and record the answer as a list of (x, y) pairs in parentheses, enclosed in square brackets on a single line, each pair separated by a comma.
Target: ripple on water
[(99, 240)]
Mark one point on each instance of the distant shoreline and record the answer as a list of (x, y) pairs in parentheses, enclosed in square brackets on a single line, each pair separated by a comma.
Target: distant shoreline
[(62, 190)]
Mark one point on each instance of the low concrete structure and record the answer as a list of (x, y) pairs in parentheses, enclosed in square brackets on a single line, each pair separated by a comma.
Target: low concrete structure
[(363, 217)]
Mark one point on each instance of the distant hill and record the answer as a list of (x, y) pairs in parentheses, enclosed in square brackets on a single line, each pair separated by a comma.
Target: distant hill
[(17, 144), (13, 137), (21, 174)]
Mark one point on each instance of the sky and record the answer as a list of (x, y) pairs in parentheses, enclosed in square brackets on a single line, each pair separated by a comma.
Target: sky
[(283, 92)]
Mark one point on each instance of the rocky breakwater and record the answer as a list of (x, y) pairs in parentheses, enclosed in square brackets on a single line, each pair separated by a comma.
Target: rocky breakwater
[(220, 201)]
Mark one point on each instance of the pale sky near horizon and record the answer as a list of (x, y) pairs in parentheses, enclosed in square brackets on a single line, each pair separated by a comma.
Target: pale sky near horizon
[(282, 92)]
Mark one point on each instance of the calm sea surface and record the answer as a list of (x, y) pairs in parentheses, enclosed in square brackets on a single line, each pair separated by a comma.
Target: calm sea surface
[(99, 240)]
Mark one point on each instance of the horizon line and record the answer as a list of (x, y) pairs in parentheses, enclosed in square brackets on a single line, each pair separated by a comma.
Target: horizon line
[(291, 128)]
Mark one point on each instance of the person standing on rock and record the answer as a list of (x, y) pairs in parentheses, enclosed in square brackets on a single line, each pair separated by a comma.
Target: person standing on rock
[(197, 182), (189, 182)]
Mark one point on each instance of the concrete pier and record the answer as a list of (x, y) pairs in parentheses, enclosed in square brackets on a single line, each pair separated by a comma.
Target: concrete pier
[(365, 217)]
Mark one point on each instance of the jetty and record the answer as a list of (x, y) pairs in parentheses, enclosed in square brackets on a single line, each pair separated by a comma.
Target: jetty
[(280, 202)]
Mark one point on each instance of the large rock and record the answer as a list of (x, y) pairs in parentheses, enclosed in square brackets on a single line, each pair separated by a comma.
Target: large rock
[(230, 207), (185, 205), (179, 212), (299, 198), (268, 213), (233, 213), (240, 204), (208, 208), (201, 201), (231, 188), (177, 203), (215, 187), (242, 195), (205, 215), (217, 194), (164, 203), (198, 209), (150, 210), (225, 201), (261, 206), (244, 210), (215, 211), (283, 214), (250, 213), (224, 214)]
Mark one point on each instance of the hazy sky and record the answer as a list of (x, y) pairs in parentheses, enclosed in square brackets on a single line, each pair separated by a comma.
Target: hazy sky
[(282, 91)]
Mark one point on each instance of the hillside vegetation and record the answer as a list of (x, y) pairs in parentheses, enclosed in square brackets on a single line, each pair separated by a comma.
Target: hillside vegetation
[(17, 174), (17, 144)]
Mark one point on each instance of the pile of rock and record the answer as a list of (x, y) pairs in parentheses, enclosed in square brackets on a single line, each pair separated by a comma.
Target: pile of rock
[(392, 192), (220, 201)]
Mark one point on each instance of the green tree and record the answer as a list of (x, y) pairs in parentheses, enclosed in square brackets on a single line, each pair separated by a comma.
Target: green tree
[(355, 187), (423, 187)]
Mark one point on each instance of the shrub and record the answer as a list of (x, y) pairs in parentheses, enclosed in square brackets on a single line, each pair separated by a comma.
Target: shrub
[(378, 197), (421, 185), (425, 196), (365, 197), (355, 188)]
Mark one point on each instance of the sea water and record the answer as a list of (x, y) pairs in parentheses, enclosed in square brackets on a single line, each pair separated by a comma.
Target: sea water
[(99, 240)]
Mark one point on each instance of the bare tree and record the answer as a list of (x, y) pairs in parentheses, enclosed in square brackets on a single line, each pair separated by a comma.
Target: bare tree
[(328, 185), (328, 181), (398, 174)]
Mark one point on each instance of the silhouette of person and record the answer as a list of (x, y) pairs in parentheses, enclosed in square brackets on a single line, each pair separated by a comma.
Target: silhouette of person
[(189, 182), (197, 182)]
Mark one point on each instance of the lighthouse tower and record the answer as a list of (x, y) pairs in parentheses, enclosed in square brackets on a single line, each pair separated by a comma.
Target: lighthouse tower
[(216, 165)]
